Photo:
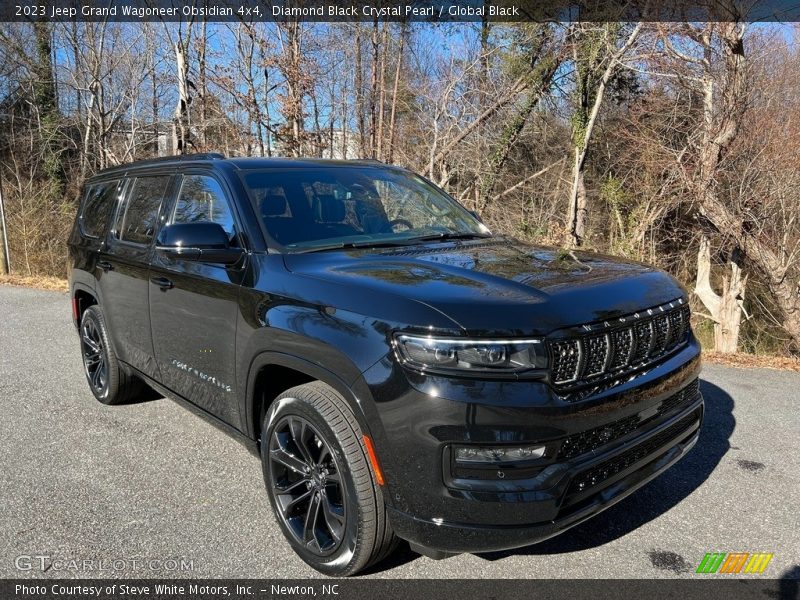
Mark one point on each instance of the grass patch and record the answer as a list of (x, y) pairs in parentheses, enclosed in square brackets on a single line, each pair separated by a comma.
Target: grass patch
[(40, 282), (742, 360)]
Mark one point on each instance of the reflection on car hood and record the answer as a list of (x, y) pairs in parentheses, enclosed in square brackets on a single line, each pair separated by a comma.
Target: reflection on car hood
[(499, 285)]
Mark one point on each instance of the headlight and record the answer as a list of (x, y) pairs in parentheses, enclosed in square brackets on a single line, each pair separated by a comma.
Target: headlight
[(477, 356)]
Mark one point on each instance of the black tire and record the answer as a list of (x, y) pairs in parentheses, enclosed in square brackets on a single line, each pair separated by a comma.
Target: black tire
[(109, 381), (328, 471)]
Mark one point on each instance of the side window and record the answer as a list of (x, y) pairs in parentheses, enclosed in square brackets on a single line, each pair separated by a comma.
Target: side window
[(202, 199), (96, 205), (139, 217)]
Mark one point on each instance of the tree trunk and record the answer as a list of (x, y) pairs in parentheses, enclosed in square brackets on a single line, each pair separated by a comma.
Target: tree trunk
[(203, 88), (373, 95), (543, 76), (296, 88), (182, 107), (589, 102), (578, 210), (5, 259), (783, 285), (726, 308), (381, 93), (46, 101), (721, 127), (393, 111), (154, 106), (359, 84)]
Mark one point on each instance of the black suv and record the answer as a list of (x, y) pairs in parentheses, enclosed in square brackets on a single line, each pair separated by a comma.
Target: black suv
[(402, 372)]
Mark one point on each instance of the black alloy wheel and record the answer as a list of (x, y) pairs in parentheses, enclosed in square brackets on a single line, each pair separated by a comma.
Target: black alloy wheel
[(321, 485), (307, 485), (109, 380), (95, 357)]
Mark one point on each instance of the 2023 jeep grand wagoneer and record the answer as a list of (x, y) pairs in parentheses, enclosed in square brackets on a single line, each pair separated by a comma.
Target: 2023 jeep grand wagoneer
[(402, 372)]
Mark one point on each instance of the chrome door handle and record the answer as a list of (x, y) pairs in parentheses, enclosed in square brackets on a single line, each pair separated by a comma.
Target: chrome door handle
[(162, 282)]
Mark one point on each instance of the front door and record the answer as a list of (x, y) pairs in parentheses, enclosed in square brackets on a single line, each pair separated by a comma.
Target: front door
[(194, 306)]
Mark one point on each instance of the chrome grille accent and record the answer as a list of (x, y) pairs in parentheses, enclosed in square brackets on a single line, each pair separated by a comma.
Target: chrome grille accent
[(607, 350)]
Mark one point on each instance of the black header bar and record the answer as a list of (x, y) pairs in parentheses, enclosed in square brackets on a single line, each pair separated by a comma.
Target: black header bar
[(705, 587), (432, 11)]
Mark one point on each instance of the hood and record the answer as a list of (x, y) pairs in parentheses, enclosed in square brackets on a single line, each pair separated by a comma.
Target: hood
[(499, 286)]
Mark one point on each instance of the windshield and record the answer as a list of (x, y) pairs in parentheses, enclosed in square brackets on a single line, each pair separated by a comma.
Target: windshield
[(329, 207)]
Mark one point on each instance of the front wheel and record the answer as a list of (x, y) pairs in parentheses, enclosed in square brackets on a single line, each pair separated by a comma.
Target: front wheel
[(320, 483)]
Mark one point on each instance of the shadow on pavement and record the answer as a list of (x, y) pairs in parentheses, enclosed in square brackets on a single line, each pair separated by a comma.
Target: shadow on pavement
[(789, 584)]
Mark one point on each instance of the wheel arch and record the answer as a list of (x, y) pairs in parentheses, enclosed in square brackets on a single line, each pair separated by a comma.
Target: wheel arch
[(274, 372), (83, 297)]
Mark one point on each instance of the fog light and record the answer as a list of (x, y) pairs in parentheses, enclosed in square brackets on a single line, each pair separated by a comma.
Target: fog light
[(497, 454)]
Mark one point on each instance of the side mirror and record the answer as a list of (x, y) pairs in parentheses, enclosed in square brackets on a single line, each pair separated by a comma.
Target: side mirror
[(199, 242)]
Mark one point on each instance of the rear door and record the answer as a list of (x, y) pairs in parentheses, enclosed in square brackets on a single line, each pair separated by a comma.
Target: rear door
[(123, 268), (194, 306), (88, 236)]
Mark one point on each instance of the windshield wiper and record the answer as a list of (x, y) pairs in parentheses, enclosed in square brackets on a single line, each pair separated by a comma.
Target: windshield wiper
[(354, 245), (409, 241), (446, 235)]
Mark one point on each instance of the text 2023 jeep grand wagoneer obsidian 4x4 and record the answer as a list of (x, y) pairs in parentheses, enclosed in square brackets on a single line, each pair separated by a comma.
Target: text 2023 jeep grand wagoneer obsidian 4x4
[(402, 372)]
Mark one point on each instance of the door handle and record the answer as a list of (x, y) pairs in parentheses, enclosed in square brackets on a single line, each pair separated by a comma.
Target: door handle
[(162, 282), (105, 265)]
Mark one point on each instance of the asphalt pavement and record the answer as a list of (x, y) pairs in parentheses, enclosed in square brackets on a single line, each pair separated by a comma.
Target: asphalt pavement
[(150, 490)]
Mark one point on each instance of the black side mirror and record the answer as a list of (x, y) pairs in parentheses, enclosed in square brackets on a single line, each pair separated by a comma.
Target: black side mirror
[(199, 242)]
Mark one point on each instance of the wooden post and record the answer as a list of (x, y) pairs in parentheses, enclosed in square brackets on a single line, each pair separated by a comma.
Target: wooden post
[(5, 261)]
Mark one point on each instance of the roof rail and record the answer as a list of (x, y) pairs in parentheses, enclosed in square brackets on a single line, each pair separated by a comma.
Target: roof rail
[(181, 158), (166, 159)]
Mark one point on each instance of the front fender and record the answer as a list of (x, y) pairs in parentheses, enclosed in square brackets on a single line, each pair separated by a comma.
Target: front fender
[(357, 397)]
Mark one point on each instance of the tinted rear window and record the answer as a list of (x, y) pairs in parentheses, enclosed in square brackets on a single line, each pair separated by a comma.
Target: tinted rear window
[(96, 206), (139, 217)]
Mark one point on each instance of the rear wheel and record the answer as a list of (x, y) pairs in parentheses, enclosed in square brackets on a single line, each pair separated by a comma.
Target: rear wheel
[(320, 484), (107, 379)]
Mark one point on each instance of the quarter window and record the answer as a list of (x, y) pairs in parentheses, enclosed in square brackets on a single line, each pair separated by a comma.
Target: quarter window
[(140, 216), (96, 205), (202, 199)]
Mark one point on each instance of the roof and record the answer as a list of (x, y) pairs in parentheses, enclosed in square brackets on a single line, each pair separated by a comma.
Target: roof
[(244, 163)]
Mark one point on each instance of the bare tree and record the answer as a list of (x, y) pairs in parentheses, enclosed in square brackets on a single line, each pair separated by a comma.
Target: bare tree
[(596, 58)]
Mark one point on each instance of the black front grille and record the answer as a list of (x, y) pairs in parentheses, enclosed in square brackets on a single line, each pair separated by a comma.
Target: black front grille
[(584, 442), (611, 349), (597, 347), (605, 470), (568, 359)]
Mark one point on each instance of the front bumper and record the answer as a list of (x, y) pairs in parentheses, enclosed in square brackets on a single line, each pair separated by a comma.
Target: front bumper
[(433, 510), (450, 537)]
